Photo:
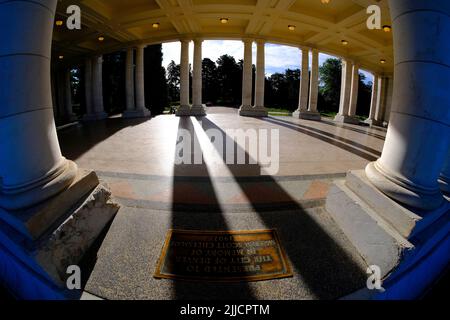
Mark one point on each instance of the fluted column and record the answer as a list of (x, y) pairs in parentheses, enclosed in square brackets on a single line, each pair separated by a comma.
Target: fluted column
[(418, 136), (141, 110), (68, 95), (309, 84), (32, 168), (344, 104), (185, 108), (260, 81), (197, 103), (354, 91), (247, 79), (373, 101)]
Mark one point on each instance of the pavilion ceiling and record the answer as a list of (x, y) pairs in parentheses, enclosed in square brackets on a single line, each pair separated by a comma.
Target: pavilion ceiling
[(317, 25)]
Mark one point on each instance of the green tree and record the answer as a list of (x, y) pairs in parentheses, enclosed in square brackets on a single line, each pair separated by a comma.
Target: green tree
[(210, 81), (229, 75), (173, 82), (156, 89), (364, 96), (330, 85)]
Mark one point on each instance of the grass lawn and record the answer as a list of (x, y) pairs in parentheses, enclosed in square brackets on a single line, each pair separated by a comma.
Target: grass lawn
[(279, 112)]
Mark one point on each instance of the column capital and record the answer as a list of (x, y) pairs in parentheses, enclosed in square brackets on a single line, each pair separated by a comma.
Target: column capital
[(303, 49), (247, 40), (260, 41), (198, 40), (186, 40)]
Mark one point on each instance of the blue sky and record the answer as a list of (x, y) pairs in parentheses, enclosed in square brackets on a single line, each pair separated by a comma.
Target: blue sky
[(278, 58)]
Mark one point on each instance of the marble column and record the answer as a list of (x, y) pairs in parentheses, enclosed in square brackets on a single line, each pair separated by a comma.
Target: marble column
[(373, 101), (185, 108), (68, 95), (50, 212), (381, 98), (444, 179), (98, 111), (247, 79), (418, 136), (312, 113), (32, 168), (129, 84), (344, 104), (141, 110), (304, 85), (197, 109), (53, 88), (259, 110), (388, 100), (88, 90), (354, 92)]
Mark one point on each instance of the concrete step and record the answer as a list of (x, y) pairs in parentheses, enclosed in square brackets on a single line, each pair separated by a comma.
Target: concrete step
[(406, 221), (372, 235)]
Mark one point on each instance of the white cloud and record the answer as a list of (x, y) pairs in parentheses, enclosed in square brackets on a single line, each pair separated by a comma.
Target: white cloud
[(278, 57)]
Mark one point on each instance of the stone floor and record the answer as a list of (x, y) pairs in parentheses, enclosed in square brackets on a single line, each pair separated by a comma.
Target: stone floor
[(137, 159)]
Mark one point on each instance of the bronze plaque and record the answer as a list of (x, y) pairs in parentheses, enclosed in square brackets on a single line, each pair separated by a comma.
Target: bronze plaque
[(223, 256)]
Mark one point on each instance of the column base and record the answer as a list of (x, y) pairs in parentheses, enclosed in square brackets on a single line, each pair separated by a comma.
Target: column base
[(53, 236), (404, 192), (183, 111), (198, 111), (95, 116), (346, 119), (373, 122), (25, 196), (380, 228), (255, 112), (136, 114), (307, 115)]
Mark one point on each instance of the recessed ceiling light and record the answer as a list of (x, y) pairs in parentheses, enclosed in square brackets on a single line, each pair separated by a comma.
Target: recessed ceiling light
[(224, 20), (383, 61), (325, 1), (344, 42), (59, 23), (291, 27), (155, 25), (61, 57), (101, 38), (387, 28)]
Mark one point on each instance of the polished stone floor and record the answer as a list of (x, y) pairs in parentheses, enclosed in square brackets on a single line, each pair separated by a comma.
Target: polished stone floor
[(137, 160)]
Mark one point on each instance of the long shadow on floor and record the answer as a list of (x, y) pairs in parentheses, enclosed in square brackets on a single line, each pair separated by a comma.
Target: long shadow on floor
[(215, 220), (77, 140), (329, 138), (326, 268), (378, 136), (331, 135)]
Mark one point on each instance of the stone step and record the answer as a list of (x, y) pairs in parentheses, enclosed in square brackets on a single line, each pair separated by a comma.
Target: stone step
[(406, 221), (376, 240)]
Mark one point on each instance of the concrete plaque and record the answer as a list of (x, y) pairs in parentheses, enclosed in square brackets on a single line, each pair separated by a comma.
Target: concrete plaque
[(223, 256)]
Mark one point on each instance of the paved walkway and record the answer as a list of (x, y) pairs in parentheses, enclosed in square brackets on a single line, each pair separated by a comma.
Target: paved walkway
[(137, 159)]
